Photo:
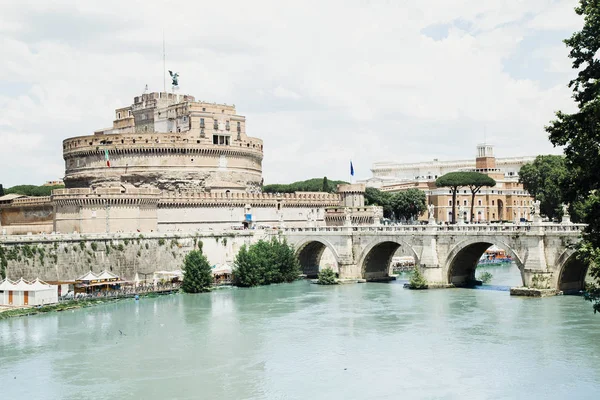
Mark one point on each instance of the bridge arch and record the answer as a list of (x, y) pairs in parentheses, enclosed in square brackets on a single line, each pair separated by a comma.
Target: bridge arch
[(463, 258), (309, 252), (375, 259), (571, 272)]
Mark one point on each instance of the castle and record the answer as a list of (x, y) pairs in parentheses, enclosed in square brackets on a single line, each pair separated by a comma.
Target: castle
[(171, 163)]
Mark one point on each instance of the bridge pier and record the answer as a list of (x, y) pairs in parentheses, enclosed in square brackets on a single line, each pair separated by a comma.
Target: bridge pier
[(350, 271)]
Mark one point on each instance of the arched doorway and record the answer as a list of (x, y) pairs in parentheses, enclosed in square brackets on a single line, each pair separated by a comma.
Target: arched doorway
[(500, 210), (315, 255), (571, 279), (376, 263), (497, 258)]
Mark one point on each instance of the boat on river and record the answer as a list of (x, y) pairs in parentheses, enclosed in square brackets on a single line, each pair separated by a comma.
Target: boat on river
[(494, 256)]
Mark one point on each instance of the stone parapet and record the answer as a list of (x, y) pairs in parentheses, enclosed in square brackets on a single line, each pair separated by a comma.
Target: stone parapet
[(355, 216), (29, 202), (298, 199), (107, 195), (157, 143)]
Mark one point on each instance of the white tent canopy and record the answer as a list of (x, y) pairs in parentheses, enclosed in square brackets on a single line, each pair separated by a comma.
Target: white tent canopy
[(222, 269), (102, 276), (167, 275), (22, 292)]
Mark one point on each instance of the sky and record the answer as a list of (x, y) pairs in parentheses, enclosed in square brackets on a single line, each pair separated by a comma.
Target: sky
[(321, 82)]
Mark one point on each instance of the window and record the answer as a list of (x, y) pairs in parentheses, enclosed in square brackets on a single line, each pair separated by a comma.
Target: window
[(450, 203), (129, 113), (201, 122), (203, 108), (479, 202), (227, 124), (215, 124), (215, 139), (492, 202), (464, 202), (118, 115)]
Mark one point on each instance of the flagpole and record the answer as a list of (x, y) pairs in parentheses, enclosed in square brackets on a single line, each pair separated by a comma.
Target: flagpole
[(164, 65)]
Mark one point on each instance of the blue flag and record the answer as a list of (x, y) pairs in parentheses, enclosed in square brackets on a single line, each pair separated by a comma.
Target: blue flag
[(351, 169)]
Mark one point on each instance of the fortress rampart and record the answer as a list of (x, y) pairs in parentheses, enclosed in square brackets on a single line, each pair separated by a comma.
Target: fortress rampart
[(171, 163)]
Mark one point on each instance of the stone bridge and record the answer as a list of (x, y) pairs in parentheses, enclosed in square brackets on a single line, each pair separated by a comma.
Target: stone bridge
[(447, 254)]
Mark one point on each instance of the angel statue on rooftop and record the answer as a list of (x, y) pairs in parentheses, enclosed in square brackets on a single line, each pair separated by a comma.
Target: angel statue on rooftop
[(174, 78)]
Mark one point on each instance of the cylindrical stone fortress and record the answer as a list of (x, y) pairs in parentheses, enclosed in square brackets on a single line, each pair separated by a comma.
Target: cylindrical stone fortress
[(169, 142)]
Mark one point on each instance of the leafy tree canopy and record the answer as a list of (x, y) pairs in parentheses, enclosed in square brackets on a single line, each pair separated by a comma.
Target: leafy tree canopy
[(264, 263), (543, 179), (197, 273), (579, 133), (464, 178), (326, 277), (474, 180), (375, 197), (310, 185), (32, 190), (409, 203)]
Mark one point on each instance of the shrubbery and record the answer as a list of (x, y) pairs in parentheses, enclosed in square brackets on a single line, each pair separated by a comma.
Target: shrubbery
[(485, 277), (417, 280), (326, 277), (264, 263), (197, 274)]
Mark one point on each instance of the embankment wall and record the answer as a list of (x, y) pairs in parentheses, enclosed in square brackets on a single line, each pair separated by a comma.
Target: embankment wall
[(67, 257)]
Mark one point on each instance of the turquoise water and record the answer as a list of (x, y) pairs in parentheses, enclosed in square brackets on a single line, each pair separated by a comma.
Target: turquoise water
[(303, 341)]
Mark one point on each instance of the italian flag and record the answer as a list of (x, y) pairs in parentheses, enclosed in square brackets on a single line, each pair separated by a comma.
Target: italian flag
[(106, 158)]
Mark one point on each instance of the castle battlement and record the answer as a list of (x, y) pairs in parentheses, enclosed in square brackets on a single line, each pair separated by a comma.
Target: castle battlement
[(298, 199)]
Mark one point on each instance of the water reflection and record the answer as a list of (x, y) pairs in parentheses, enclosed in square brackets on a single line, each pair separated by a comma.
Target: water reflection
[(308, 341)]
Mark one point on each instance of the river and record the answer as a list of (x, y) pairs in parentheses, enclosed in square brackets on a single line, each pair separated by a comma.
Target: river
[(303, 341)]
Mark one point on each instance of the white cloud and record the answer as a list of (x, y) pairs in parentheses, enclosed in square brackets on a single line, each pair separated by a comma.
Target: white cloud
[(320, 82)]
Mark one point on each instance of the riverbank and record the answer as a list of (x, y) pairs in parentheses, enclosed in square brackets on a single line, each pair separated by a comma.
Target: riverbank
[(70, 305)]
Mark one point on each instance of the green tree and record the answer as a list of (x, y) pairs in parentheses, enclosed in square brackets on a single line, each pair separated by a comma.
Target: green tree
[(543, 179), (326, 188), (246, 272), (326, 277), (579, 133), (32, 190), (417, 280), (197, 274), (473, 180), (409, 203), (309, 185), (375, 197), (264, 263), (476, 182)]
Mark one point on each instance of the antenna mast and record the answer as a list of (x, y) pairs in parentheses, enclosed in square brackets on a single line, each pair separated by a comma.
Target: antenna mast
[(164, 65)]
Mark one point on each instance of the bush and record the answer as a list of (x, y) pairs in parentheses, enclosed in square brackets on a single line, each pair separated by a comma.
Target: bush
[(485, 277), (197, 274), (94, 246), (161, 242), (264, 263), (326, 277), (417, 281)]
